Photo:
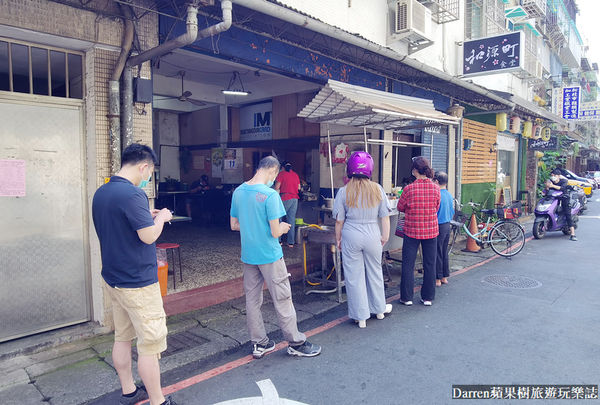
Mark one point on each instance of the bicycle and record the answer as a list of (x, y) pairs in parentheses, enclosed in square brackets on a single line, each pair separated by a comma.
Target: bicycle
[(505, 236)]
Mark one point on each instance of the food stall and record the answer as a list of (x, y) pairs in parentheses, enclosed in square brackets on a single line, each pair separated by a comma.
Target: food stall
[(347, 105)]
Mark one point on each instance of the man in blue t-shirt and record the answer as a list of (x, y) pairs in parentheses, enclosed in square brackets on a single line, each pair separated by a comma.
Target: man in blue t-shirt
[(127, 231), (445, 215), (255, 211)]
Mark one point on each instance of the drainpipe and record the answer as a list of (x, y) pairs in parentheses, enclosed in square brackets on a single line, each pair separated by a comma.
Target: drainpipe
[(113, 95), (127, 112), (282, 13), (191, 35)]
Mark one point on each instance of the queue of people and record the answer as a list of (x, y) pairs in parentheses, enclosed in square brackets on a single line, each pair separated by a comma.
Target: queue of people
[(128, 229)]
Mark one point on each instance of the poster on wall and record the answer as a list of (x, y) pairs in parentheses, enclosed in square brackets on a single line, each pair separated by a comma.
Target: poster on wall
[(12, 178), (497, 54), (216, 156), (256, 122), (233, 165)]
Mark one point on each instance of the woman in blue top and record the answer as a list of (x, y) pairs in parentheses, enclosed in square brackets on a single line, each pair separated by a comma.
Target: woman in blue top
[(445, 215)]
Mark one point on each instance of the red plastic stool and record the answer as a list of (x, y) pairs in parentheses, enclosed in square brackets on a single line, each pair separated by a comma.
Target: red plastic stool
[(172, 247)]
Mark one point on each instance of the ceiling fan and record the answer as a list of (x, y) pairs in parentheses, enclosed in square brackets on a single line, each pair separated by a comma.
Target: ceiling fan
[(185, 94)]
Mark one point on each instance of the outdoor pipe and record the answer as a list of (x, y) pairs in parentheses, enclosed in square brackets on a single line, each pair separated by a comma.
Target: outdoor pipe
[(127, 111), (113, 94), (191, 35), (291, 16)]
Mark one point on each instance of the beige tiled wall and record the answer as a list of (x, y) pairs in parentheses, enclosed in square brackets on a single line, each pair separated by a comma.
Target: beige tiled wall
[(53, 22), (105, 31)]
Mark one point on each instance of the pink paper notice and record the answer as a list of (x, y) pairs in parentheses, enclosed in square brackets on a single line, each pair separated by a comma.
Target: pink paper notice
[(12, 178)]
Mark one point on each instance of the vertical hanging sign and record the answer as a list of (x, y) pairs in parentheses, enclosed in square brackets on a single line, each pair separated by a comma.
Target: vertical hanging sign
[(570, 102)]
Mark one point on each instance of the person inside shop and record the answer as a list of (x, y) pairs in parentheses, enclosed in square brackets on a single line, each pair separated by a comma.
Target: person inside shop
[(420, 202), (558, 182), (288, 185), (127, 231), (445, 214), (357, 208), (196, 197), (255, 212)]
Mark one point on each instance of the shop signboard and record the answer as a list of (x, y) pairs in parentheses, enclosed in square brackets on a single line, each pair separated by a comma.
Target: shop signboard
[(497, 54), (256, 122), (571, 97), (540, 144), (589, 111)]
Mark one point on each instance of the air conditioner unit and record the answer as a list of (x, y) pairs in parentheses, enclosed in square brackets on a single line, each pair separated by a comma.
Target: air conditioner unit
[(412, 22)]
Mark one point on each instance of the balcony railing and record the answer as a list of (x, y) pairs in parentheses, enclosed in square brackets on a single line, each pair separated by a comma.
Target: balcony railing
[(443, 11), (534, 8), (484, 18)]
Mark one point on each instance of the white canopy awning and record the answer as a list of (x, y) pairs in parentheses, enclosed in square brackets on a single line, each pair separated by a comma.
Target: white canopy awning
[(356, 106)]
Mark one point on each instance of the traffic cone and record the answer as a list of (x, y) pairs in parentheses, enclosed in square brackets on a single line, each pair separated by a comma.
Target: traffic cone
[(471, 243)]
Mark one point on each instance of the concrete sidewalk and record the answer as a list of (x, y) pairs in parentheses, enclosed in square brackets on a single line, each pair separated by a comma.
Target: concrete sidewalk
[(74, 365)]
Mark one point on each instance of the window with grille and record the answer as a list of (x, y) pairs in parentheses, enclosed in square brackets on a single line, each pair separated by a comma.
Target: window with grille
[(35, 69), (484, 18)]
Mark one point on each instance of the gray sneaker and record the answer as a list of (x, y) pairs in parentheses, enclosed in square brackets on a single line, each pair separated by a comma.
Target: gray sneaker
[(306, 349), (140, 395), (260, 350), (573, 238), (170, 401)]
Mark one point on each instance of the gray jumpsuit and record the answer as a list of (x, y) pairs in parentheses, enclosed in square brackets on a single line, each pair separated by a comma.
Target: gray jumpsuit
[(361, 255)]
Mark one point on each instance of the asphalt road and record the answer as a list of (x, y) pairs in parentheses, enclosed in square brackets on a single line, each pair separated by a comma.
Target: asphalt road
[(475, 333)]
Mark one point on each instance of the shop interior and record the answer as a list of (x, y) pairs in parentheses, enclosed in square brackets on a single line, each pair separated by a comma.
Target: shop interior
[(213, 122), (209, 142)]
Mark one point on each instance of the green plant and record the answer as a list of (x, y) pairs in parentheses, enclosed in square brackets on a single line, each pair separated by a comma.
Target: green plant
[(546, 164)]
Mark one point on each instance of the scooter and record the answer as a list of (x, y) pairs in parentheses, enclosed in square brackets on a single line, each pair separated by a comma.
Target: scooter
[(549, 216)]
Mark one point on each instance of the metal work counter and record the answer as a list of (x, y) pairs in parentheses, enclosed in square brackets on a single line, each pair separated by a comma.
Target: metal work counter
[(326, 238)]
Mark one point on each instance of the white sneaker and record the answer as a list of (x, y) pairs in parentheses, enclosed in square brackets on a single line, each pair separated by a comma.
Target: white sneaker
[(362, 324), (388, 309)]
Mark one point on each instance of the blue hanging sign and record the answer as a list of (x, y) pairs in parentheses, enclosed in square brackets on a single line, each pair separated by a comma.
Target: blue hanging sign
[(499, 54), (589, 111), (570, 102)]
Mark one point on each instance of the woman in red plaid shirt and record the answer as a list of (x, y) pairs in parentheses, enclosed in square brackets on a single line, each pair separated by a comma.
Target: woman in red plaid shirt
[(419, 201)]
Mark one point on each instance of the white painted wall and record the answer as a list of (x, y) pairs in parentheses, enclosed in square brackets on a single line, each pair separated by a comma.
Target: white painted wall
[(366, 18), (373, 19)]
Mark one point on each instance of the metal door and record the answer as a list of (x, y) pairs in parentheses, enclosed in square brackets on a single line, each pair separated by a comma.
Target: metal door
[(43, 264)]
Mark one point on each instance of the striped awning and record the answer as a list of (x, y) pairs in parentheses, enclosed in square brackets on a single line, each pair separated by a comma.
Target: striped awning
[(356, 106)]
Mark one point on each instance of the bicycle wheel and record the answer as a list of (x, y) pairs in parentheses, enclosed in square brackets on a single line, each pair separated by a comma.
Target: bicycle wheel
[(507, 238), (453, 234)]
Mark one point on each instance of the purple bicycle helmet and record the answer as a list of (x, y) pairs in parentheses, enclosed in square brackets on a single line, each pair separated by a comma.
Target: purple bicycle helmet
[(360, 163)]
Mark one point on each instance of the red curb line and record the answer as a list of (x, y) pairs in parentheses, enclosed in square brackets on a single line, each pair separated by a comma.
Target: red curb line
[(188, 382)]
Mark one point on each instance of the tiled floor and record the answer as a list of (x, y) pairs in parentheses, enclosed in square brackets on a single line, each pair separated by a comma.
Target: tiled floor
[(211, 255)]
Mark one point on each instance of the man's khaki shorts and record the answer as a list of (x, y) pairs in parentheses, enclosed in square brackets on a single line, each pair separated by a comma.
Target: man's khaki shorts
[(138, 312)]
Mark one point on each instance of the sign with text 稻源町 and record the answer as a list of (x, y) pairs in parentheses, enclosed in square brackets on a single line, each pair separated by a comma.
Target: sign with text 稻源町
[(498, 54)]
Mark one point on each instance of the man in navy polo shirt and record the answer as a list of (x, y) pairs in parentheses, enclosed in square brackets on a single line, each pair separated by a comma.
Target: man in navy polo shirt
[(127, 231)]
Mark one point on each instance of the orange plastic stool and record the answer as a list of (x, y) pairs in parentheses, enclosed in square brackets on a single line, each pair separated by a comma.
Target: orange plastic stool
[(172, 247)]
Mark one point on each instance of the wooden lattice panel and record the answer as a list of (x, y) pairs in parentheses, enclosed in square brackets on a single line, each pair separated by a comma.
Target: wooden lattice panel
[(478, 163)]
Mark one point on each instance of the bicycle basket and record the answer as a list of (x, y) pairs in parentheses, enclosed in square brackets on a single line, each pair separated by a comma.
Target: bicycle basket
[(460, 217), (514, 211)]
